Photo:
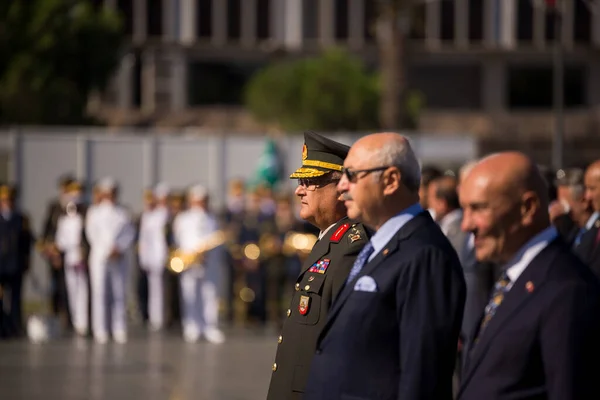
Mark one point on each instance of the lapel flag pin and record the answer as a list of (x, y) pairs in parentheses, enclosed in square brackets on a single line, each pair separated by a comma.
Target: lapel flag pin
[(529, 286)]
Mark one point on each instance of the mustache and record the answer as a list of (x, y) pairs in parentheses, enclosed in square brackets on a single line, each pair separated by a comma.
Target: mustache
[(345, 197)]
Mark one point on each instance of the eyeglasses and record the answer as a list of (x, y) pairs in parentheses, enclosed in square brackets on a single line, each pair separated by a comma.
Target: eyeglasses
[(352, 175), (312, 184)]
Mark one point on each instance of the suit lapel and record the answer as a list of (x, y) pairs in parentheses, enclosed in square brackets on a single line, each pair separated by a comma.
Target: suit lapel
[(514, 300), (390, 248)]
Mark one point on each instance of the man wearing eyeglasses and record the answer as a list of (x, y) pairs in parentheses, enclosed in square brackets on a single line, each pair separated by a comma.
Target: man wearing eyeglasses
[(392, 331), (325, 269)]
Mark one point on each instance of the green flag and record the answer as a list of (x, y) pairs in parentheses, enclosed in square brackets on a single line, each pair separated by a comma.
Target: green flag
[(268, 170)]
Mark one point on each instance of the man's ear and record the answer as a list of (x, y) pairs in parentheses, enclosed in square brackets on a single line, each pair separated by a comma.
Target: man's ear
[(530, 204), (391, 180)]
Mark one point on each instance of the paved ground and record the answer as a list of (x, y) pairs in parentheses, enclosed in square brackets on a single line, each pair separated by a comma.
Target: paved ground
[(148, 367)]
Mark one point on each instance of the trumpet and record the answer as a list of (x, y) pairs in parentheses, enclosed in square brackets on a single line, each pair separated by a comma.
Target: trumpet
[(180, 260)]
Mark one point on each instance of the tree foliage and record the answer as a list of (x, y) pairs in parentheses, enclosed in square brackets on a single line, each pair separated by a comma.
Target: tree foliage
[(333, 91), (53, 54)]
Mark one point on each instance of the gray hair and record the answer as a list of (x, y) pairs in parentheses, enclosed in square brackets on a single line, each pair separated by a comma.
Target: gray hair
[(573, 179), (402, 156)]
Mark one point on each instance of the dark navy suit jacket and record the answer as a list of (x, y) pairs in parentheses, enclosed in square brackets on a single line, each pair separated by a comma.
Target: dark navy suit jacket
[(398, 342), (543, 342)]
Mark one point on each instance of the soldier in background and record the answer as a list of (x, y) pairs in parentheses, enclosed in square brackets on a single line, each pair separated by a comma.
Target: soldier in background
[(72, 243), (176, 205), (200, 305), (232, 218), (142, 275), (16, 242), (51, 254), (110, 233), (153, 254), (255, 226)]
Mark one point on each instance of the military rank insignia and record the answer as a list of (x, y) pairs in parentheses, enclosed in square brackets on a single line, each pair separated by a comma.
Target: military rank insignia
[(303, 305), (320, 266), (354, 235)]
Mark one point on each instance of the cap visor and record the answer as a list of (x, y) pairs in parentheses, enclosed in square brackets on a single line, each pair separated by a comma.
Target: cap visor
[(307, 173)]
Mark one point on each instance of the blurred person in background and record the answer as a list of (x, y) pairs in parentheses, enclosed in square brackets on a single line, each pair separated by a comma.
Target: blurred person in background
[(428, 174), (153, 252), (16, 242), (72, 243), (443, 200), (539, 332), (110, 232), (176, 205), (572, 213), (588, 249), (232, 220), (198, 283), (47, 245)]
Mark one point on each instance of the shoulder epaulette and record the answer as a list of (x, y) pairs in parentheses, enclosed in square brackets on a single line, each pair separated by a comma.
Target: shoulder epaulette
[(339, 232)]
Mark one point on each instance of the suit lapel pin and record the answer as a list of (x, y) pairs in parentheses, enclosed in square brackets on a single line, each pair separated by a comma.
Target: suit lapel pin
[(385, 252), (529, 287)]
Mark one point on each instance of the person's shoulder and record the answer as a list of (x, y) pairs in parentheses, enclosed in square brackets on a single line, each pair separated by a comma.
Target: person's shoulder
[(350, 235)]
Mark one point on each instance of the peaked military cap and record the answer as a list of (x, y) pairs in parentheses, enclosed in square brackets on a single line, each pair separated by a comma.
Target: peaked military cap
[(320, 155)]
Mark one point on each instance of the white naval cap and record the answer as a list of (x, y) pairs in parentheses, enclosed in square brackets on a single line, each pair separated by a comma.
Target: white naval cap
[(161, 190), (197, 192), (106, 184)]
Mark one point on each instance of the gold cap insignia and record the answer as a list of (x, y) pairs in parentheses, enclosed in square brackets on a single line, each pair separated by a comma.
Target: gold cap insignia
[(304, 152)]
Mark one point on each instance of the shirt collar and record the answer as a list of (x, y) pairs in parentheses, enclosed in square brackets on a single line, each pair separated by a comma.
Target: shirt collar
[(385, 233), (322, 233), (450, 219), (528, 252), (590, 223)]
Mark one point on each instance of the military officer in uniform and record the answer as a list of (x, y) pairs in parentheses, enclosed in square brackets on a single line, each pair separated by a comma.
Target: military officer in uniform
[(71, 241), (325, 269), (55, 209), (199, 283), (16, 241), (110, 232)]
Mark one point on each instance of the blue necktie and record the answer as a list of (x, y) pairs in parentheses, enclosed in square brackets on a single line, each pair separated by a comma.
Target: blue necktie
[(360, 261), (578, 237)]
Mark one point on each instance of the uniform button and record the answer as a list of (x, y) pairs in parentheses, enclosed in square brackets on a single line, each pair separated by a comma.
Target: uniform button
[(280, 339), (274, 367), (289, 312), (297, 287), (306, 287)]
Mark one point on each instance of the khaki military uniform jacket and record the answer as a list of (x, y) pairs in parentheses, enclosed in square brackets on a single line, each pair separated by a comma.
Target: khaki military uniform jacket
[(322, 276)]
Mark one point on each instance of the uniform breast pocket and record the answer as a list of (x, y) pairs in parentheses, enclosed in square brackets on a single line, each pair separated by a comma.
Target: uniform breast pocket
[(308, 299)]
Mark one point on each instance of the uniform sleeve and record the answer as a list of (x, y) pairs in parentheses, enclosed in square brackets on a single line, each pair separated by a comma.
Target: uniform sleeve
[(431, 299), (26, 242), (570, 346), (91, 227), (126, 235)]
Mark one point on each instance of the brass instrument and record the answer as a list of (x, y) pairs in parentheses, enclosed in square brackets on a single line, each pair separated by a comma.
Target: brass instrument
[(180, 261)]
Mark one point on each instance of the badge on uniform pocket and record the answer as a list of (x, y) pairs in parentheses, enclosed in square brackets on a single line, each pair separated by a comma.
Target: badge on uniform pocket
[(303, 305)]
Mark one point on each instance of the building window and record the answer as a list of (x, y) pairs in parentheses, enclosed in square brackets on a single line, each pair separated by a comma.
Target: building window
[(370, 19), (417, 27), (476, 18), (531, 87), (524, 21), (204, 11), (447, 9), (126, 9), (583, 23), (234, 19), (154, 10), (341, 19), (263, 19), (310, 23)]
